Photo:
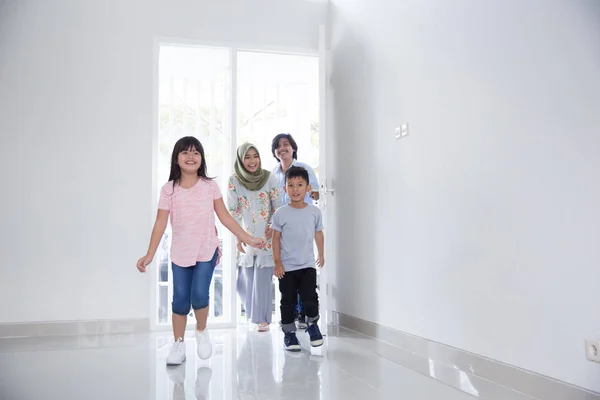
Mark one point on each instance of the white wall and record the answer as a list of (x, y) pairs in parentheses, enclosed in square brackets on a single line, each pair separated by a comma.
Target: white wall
[(481, 229), (76, 126)]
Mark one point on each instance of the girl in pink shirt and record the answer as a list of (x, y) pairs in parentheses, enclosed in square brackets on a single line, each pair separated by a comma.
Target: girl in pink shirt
[(190, 200)]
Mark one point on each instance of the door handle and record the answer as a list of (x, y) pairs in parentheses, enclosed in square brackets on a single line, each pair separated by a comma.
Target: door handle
[(325, 189)]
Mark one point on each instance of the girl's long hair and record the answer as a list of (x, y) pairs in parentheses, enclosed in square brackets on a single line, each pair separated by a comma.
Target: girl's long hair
[(183, 144)]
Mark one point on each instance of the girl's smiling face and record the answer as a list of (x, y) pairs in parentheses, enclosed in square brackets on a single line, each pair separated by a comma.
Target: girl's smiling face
[(189, 161)]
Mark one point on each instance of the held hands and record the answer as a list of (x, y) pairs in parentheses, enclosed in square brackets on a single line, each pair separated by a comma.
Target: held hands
[(258, 243), (321, 262), (279, 271), (143, 262)]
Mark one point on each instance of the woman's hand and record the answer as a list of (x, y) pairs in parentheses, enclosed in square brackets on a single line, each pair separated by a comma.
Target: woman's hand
[(268, 232), (240, 246)]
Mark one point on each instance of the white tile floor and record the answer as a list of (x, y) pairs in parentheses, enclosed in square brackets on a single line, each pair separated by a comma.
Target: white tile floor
[(245, 365)]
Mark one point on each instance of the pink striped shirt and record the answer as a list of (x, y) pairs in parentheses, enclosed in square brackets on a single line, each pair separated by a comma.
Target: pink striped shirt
[(192, 215)]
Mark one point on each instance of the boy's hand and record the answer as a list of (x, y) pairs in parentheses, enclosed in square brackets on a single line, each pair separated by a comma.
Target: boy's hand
[(279, 271), (143, 262), (321, 262)]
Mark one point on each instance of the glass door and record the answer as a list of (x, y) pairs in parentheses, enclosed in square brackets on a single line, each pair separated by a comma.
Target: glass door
[(225, 97), (194, 100), (278, 93)]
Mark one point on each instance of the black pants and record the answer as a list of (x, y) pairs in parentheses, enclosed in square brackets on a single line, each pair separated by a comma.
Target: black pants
[(303, 282)]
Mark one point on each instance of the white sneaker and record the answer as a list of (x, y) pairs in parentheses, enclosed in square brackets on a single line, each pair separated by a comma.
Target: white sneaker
[(203, 344), (177, 354)]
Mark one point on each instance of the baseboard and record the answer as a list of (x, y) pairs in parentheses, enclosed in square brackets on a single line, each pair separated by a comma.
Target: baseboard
[(91, 327), (523, 381)]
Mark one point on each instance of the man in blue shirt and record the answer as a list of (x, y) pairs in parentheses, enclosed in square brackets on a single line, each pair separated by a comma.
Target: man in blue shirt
[(285, 151)]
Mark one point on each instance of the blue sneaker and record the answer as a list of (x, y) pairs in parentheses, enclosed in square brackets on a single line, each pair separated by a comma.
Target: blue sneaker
[(316, 339), (290, 342)]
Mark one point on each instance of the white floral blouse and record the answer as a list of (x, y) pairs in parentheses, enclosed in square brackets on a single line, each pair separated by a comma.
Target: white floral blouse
[(253, 210)]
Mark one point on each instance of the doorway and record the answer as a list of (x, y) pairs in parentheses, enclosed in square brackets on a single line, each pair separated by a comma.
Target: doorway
[(226, 96), (278, 93)]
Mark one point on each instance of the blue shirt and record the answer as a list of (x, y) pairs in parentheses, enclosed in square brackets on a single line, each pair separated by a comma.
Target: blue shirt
[(312, 180)]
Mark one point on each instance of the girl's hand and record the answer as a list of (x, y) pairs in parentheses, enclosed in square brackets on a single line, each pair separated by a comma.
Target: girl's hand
[(240, 247), (321, 262), (258, 243), (279, 271), (143, 262)]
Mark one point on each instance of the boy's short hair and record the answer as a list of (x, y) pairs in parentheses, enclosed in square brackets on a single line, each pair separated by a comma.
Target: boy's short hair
[(297, 172)]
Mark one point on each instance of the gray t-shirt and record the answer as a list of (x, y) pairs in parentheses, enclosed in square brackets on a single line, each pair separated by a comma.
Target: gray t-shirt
[(297, 227)]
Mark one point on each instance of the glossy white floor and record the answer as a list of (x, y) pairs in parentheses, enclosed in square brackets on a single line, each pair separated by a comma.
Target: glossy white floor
[(245, 365)]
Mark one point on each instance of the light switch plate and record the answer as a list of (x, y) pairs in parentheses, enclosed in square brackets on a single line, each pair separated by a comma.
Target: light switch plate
[(404, 130)]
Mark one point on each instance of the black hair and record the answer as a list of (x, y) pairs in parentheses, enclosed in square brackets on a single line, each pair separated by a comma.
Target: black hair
[(183, 144), (297, 172), (275, 144)]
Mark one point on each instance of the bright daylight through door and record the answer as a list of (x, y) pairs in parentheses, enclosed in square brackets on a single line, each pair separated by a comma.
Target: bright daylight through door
[(278, 93), (274, 93)]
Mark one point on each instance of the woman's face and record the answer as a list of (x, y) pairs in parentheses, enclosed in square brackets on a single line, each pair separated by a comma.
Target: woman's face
[(284, 151), (251, 161)]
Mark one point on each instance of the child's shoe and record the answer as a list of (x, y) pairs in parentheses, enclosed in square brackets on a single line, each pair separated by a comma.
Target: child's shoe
[(316, 339), (203, 345), (177, 354), (290, 342)]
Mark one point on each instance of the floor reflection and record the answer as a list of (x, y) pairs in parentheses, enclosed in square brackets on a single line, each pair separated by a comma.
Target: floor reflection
[(255, 369)]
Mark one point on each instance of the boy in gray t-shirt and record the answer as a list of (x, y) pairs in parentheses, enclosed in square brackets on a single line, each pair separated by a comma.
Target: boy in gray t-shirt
[(295, 226)]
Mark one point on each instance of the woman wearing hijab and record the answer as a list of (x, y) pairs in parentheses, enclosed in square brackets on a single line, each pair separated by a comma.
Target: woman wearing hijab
[(253, 195)]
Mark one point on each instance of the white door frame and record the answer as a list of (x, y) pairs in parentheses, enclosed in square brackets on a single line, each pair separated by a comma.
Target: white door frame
[(326, 191), (233, 121)]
